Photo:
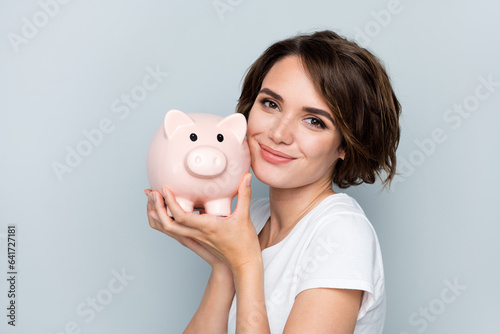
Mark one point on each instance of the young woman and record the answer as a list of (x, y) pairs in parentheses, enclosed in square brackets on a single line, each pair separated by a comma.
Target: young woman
[(320, 110)]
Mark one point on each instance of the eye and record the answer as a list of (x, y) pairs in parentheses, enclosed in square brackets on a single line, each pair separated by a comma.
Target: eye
[(220, 138), (270, 104), (315, 123), (193, 137)]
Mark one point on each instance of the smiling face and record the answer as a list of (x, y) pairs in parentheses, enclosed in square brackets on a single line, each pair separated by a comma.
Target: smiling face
[(291, 131)]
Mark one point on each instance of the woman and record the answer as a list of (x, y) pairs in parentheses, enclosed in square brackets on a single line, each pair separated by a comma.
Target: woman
[(320, 110)]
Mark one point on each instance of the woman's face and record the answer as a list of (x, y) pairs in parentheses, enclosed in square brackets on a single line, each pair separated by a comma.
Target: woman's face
[(291, 132)]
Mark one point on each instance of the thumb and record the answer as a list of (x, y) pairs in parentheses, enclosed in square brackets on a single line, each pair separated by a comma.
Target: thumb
[(244, 195)]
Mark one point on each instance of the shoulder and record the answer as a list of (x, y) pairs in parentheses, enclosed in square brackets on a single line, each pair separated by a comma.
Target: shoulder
[(340, 234), (341, 203), (342, 216), (344, 252)]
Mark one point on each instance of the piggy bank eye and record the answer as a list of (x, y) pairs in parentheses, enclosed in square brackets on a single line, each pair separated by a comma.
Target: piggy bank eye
[(193, 137), (220, 138)]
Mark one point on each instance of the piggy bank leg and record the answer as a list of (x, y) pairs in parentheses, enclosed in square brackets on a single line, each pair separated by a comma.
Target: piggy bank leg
[(219, 207), (185, 204)]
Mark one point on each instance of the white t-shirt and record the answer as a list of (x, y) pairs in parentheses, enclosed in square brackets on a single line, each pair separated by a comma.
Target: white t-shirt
[(333, 246)]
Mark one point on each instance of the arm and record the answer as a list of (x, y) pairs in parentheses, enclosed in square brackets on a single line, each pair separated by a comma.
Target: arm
[(319, 310), (324, 310), (251, 315), (232, 239), (212, 314)]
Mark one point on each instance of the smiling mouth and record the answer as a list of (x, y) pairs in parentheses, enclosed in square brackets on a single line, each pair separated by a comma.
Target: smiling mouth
[(273, 156)]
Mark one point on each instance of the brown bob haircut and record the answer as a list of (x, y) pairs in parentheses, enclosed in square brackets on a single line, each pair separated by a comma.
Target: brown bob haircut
[(355, 86)]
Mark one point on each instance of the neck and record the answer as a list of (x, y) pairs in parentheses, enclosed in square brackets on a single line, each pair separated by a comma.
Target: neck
[(289, 206)]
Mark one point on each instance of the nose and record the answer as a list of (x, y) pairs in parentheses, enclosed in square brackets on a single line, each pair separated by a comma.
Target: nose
[(282, 131), (206, 162)]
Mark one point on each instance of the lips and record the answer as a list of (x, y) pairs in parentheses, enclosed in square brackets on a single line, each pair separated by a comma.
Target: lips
[(273, 156)]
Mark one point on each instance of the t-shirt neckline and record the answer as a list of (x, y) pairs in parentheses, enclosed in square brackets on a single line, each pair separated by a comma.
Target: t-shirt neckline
[(277, 246)]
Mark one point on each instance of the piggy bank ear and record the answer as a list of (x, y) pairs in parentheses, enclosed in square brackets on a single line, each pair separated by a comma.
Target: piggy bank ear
[(175, 119), (237, 123)]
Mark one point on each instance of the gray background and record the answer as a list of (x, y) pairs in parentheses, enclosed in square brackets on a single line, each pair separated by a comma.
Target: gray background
[(438, 226)]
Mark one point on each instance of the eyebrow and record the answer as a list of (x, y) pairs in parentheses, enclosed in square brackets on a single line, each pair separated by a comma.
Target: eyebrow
[(311, 110), (271, 93)]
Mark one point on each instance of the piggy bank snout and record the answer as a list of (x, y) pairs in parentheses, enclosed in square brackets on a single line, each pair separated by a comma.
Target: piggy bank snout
[(206, 162)]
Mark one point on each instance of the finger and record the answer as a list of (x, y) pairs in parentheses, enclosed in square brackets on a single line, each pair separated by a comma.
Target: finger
[(154, 222), (172, 203), (150, 199), (175, 208), (244, 196), (151, 212), (154, 219), (188, 219), (154, 216), (169, 224)]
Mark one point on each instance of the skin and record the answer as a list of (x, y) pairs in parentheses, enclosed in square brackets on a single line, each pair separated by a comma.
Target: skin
[(291, 120)]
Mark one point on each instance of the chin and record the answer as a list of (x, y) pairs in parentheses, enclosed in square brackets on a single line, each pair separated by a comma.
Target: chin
[(274, 178), (264, 173), (273, 182)]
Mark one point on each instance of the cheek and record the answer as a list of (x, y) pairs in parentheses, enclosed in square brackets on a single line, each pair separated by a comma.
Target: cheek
[(251, 116), (313, 146), (251, 125), (322, 152), (257, 122)]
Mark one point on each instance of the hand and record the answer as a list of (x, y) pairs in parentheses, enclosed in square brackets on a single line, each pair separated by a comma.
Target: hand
[(156, 208), (232, 239)]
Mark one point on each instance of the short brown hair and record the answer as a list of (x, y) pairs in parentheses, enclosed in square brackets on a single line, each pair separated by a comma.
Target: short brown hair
[(354, 84)]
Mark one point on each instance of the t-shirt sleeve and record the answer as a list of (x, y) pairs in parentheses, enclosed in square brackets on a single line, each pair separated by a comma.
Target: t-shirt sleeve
[(342, 253)]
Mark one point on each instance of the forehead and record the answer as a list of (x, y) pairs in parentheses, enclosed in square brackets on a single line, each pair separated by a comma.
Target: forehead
[(289, 78), (286, 68)]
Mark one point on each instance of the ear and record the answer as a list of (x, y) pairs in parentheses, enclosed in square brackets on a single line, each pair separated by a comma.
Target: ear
[(237, 123), (341, 153), (175, 119)]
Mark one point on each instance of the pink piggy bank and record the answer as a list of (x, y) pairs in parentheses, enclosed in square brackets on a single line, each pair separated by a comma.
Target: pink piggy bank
[(201, 158)]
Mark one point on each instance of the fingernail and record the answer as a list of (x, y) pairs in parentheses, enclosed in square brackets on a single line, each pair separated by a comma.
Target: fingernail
[(249, 180)]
